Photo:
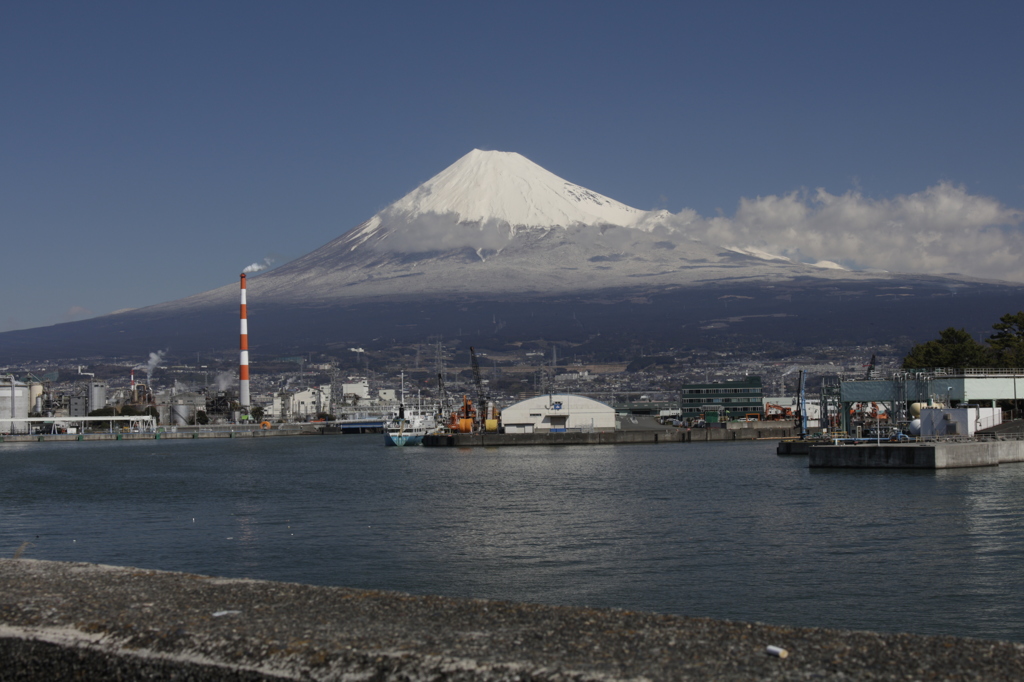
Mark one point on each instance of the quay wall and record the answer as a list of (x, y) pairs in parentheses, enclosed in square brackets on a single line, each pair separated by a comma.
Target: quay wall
[(747, 433), (937, 455), (166, 435), (795, 447), (568, 438), (603, 437), (86, 621), (669, 435)]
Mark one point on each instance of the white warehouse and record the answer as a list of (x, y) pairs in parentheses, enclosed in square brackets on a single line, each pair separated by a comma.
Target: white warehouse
[(556, 413)]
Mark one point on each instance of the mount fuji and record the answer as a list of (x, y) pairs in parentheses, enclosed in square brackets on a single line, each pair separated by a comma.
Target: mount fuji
[(497, 224), (496, 247)]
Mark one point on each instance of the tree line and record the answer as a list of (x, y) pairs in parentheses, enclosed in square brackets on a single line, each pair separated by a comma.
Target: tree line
[(957, 348)]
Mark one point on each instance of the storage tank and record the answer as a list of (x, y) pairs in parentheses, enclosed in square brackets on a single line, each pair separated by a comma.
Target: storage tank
[(35, 396), (14, 395), (97, 395), (180, 414)]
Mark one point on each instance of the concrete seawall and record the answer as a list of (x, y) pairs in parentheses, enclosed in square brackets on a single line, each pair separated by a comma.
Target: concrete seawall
[(87, 621), (669, 435), (937, 455), (158, 435)]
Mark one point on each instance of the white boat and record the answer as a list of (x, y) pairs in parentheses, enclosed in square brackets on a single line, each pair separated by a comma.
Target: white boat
[(404, 430), (408, 428)]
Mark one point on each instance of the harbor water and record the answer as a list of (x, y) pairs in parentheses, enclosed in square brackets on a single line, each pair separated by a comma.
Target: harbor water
[(722, 530)]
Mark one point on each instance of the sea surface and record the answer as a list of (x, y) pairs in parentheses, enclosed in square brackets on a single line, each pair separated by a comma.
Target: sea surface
[(724, 530)]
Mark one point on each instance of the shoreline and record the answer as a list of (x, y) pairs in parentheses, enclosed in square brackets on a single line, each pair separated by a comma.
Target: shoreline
[(60, 619), (624, 437)]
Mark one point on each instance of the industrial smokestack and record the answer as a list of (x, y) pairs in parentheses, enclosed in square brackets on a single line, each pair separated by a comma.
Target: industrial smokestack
[(243, 367)]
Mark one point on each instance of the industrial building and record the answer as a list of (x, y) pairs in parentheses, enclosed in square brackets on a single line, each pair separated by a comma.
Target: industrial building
[(907, 396), (787, 407), (301, 405), (556, 413), (955, 421), (14, 404), (179, 409), (722, 401)]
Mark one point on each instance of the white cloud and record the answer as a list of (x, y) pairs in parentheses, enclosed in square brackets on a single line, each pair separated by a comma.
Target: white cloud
[(940, 230), (77, 312)]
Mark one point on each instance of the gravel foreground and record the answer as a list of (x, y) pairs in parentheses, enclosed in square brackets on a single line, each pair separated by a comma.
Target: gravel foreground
[(88, 621)]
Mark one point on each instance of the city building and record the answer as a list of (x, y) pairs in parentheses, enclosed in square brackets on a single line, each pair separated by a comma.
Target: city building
[(722, 401), (301, 405)]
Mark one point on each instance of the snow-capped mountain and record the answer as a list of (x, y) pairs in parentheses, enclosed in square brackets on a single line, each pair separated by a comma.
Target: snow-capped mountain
[(509, 189), (496, 223), (496, 247)]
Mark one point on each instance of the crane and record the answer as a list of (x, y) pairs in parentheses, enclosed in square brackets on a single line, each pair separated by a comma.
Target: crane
[(871, 368), (481, 399)]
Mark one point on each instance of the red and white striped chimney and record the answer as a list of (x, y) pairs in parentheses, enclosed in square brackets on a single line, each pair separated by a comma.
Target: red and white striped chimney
[(243, 366)]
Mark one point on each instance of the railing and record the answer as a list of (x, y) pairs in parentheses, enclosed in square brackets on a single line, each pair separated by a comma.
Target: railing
[(917, 440), (997, 436), (965, 371)]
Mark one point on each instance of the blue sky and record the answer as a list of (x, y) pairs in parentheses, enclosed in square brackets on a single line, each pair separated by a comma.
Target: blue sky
[(149, 151)]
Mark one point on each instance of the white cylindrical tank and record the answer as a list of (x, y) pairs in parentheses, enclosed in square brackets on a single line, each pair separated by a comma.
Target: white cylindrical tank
[(914, 427), (180, 414), (13, 394), (97, 395), (35, 396)]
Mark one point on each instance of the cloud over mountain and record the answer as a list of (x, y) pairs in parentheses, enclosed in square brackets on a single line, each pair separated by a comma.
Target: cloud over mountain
[(496, 235), (483, 200), (496, 223), (940, 230)]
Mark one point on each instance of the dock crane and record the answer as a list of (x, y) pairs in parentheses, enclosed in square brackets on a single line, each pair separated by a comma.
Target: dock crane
[(871, 368), (803, 405), (481, 399), (486, 413), (444, 407)]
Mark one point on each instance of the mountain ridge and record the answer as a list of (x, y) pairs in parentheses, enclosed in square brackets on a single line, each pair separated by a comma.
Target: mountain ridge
[(454, 255), (465, 232)]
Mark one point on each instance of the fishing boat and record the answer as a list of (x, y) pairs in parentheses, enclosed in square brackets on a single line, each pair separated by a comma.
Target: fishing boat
[(407, 428), (403, 430)]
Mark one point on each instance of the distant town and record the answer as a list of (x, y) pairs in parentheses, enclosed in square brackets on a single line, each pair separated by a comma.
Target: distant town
[(362, 383)]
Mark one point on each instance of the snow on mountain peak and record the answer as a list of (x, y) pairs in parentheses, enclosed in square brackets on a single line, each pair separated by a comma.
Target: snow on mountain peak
[(505, 187)]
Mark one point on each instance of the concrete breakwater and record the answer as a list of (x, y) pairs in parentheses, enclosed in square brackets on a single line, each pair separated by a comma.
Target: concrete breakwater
[(155, 435), (667, 435), (87, 621), (929, 455)]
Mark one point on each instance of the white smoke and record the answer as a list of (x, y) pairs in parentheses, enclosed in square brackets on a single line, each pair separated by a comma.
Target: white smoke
[(256, 267), (941, 230), (225, 380), (155, 359)]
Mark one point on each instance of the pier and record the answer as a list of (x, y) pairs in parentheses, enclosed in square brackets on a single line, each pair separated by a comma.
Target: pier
[(618, 437), (925, 455), (174, 433), (86, 621)]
